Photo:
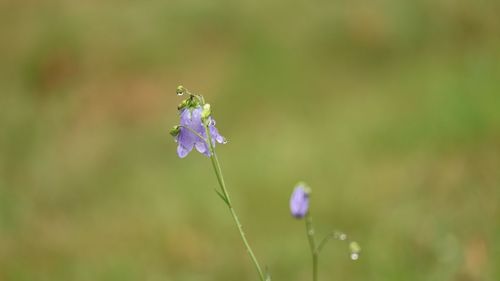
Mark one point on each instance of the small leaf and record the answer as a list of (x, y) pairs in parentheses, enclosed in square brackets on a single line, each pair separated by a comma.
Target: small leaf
[(222, 197)]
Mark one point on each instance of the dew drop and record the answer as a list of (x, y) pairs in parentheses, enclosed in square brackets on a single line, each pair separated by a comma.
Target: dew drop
[(340, 235), (211, 122), (180, 90), (355, 249), (225, 141)]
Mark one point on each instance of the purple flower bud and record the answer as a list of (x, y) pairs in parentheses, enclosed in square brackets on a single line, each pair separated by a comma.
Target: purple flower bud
[(299, 202), (191, 128)]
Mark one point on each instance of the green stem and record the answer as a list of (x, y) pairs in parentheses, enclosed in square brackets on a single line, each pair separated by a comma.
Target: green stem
[(323, 242), (220, 179), (312, 245)]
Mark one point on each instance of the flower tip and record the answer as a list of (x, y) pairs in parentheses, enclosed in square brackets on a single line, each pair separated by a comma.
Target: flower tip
[(182, 152), (298, 215)]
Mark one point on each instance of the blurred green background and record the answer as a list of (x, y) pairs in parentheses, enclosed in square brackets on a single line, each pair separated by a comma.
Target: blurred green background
[(389, 109)]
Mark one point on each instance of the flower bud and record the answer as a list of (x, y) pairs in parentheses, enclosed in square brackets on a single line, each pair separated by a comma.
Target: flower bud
[(175, 131), (206, 112), (299, 202), (354, 247), (355, 250)]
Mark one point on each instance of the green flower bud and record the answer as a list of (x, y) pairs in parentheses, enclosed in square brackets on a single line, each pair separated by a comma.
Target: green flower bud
[(354, 247), (206, 111), (175, 131)]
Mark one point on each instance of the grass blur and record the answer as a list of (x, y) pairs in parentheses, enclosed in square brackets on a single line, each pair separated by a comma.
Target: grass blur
[(390, 110)]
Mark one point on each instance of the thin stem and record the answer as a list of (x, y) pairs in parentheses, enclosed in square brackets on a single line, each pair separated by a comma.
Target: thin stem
[(220, 179), (312, 245), (323, 242)]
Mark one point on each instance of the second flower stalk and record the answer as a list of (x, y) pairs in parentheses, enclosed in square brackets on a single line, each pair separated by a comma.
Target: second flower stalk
[(299, 208)]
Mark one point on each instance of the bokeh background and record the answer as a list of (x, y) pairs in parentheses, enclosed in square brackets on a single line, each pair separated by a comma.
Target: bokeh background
[(389, 109)]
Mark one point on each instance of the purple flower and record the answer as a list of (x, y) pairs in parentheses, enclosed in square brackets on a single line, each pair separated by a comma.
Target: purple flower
[(191, 128), (299, 202)]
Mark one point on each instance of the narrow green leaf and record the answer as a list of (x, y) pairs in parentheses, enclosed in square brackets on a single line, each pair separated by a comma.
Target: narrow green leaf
[(222, 197)]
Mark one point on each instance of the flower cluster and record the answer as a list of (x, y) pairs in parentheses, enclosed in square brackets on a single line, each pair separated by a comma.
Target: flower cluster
[(195, 122)]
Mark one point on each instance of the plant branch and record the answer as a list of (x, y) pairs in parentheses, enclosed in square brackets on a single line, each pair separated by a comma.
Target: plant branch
[(220, 179), (312, 245)]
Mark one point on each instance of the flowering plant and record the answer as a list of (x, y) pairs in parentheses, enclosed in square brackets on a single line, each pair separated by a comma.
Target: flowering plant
[(197, 130), (299, 208)]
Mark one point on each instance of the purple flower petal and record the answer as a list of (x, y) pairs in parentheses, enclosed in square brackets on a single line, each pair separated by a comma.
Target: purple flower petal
[(215, 135), (201, 147), (182, 151), (187, 139)]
